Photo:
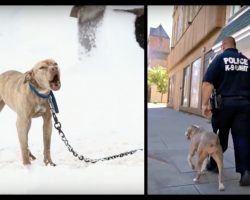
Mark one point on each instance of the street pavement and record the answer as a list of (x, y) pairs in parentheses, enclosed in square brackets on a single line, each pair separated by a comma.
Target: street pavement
[(168, 170)]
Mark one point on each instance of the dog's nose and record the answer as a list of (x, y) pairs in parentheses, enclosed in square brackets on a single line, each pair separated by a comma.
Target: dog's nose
[(54, 69)]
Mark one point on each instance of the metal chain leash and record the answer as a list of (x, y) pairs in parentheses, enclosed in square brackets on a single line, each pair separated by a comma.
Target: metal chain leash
[(58, 126)]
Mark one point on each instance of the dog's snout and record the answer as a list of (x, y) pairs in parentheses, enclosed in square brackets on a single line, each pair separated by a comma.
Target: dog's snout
[(54, 69)]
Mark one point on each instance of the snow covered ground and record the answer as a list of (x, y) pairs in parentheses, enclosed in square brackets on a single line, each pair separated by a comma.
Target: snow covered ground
[(101, 103)]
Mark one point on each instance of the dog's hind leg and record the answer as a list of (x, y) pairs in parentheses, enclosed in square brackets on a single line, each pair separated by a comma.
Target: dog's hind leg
[(218, 157), (203, 168), (190, 155), (200, 159)]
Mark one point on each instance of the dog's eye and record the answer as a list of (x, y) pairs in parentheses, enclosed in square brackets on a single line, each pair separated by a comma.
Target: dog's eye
[(55, 63), (43, 67)]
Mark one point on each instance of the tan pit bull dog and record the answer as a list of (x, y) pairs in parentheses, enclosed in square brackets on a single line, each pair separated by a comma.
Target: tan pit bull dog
[(15, 91), (204, 143)]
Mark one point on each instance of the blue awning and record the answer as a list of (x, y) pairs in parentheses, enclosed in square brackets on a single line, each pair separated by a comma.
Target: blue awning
[(235, 26)]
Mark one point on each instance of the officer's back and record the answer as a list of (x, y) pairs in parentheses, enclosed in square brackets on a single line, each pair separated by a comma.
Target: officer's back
[(230, 73)]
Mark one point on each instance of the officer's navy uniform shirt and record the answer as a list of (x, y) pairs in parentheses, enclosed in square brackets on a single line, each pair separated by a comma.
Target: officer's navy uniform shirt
[(229, 72)]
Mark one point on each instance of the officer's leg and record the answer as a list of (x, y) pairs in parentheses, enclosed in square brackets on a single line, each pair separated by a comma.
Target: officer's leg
[(223, 128), (240, 134), (223, 136), (240, 131), (214, 121)]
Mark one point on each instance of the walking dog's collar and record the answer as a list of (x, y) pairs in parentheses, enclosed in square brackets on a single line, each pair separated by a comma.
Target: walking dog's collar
[(45, 96)]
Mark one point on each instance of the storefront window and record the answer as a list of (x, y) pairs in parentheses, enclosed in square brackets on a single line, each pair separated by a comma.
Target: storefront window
[(195, 83), (185, 86)]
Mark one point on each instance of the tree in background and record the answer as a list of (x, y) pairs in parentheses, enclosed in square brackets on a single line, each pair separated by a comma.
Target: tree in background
[(158, 76)]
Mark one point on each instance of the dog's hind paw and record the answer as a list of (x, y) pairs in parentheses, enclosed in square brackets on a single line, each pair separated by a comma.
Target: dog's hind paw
[(192, 166), (195, 180), (221, 187)]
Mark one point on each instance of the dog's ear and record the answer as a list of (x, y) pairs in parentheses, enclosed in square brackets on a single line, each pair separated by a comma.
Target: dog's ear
[(28, 76)]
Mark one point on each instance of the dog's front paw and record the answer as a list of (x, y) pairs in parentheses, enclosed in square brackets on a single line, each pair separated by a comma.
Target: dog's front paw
[(32, 157), (27, 162), (221, 187), (49, 162)]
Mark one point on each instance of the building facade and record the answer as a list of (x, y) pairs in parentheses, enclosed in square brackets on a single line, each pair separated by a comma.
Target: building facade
[(158, 47), (197, 33)]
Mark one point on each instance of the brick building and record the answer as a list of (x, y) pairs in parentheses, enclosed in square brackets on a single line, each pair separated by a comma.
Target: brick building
[(158, 47), (158, 50)]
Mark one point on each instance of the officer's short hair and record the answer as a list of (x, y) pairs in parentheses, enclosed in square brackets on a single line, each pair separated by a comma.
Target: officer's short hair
[(229, 40)]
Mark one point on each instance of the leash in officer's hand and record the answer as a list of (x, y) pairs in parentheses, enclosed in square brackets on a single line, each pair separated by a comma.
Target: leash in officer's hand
[(57, 125)]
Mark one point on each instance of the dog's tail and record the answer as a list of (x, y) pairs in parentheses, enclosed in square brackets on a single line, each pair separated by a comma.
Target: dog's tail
[(218, 141)]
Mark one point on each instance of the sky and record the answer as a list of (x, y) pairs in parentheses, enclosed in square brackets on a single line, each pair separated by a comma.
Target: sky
[(101, 103), (160, 15)]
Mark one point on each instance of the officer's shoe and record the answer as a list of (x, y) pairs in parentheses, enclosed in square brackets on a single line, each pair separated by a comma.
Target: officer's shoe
[(245, 178), (212, 167)]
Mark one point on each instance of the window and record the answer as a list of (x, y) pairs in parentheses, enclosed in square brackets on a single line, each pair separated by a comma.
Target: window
[(234, 9), (180, 22), (185, 19), (195, 83), (189, 15), (208, 59), (185, 86), (171, 89)]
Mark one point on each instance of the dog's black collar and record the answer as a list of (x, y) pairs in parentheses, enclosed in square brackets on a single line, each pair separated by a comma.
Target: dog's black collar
[(45, 96)]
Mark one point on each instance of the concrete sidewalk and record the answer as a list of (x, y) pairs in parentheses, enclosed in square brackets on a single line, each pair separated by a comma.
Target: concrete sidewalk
[(168, 171)]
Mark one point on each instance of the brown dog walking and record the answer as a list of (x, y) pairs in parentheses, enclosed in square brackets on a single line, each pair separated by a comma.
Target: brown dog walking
[(204, 143), (17, 91)]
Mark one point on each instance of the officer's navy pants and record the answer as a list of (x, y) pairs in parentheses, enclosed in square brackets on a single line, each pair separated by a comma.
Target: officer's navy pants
[(223, 137), (235, 114)]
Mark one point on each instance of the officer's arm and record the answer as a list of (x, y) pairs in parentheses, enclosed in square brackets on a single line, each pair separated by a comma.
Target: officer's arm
[(207, 89)]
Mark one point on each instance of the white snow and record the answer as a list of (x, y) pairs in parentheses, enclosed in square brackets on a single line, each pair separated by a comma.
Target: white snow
[(101, 103)]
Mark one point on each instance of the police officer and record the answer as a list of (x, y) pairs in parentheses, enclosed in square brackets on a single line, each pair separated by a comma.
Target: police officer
[(229, 74)]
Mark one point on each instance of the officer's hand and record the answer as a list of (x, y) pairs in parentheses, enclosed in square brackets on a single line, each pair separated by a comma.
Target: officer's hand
[(206, 111)]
